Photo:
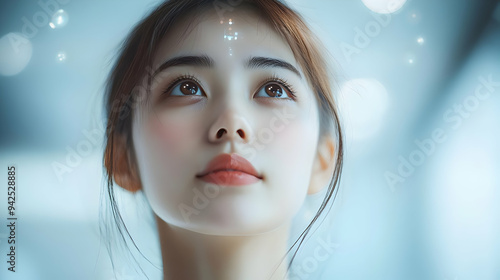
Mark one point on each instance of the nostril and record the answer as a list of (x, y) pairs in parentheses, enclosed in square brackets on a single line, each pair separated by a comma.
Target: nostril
[(220, 133), (241, 133)]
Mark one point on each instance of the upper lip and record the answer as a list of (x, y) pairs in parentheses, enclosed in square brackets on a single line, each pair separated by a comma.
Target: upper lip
[(233, 162)]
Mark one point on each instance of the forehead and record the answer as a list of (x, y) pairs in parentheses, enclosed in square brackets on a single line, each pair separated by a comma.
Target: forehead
[(229, 40)]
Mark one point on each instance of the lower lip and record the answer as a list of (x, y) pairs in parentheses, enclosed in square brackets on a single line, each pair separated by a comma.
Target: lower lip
[(230, 178)]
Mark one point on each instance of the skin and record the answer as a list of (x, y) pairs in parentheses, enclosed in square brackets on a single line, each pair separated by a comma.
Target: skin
[(219, 232)]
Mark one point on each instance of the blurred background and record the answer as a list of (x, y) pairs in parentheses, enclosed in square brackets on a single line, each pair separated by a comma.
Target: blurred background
[(419, 86)]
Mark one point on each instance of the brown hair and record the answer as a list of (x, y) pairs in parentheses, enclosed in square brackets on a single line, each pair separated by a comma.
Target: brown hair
[(135, 59)]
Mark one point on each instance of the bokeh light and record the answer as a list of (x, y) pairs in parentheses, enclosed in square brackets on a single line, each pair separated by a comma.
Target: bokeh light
[(61, 56), (15, 53), (363, 103), (59, 19), (384, 6)]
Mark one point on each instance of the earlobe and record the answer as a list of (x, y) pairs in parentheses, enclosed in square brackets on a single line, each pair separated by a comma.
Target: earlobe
[(323, 166), (125, 171)]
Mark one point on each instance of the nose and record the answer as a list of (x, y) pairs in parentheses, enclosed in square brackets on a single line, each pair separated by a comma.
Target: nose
[(230, 126)]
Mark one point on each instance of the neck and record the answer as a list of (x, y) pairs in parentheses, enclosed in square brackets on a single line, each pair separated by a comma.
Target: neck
[(191, 255)]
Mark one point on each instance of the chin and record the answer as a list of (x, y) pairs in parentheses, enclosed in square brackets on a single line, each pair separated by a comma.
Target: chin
[(233, 226)]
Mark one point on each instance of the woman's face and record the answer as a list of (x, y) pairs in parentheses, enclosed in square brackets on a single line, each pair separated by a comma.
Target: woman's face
[(234, 88)]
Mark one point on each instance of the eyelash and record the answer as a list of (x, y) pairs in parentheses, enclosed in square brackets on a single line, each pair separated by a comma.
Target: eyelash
[(180, 78), (283, 82), (273, 78)]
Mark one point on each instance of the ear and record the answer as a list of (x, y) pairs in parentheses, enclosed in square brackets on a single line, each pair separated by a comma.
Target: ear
[(323, 166), (125, 171)]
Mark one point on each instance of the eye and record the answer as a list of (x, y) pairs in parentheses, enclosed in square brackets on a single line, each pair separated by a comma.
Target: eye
[(276, 88), (184, 86)]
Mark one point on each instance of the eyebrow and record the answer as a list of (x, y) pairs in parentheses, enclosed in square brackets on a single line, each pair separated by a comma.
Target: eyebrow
[(208, 62)]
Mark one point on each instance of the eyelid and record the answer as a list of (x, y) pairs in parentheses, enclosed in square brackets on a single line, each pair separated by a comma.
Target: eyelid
[(284, 83), (184, 77)]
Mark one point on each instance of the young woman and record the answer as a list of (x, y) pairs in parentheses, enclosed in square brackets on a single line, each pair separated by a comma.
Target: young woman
[(222, 114)]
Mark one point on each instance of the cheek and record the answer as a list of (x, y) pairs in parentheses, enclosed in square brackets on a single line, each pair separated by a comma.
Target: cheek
[(172, 143), (175, 138), (294, 143), (295, 147), (166, 147), (166, 161), (289, 160), (167, 135)]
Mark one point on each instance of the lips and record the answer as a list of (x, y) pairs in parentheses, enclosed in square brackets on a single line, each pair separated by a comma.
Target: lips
[(229, 170)]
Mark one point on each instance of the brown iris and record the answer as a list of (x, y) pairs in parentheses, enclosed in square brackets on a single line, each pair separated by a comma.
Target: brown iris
[(274, 90), (189, 88)]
